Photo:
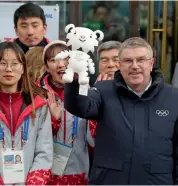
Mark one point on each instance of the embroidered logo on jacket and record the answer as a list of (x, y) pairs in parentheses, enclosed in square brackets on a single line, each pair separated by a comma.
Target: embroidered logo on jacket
[(162, 112)]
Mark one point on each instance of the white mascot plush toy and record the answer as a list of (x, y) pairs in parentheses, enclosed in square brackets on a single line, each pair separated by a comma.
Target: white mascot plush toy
[(81, 41)]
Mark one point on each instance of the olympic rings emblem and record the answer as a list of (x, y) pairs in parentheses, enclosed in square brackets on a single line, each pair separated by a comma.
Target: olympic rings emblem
[(162, 112)]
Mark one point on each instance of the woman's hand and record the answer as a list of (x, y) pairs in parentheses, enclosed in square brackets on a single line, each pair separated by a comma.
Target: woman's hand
[(54, 106)]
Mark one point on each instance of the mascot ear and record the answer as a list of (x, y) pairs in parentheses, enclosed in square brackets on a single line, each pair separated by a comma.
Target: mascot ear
[(69, 27), (99, 34)]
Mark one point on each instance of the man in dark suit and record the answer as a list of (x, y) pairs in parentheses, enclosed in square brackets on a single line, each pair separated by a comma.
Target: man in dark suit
[(137, 133)]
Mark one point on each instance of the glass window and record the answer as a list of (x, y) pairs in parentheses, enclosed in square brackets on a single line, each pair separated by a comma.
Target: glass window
[(111, 17)]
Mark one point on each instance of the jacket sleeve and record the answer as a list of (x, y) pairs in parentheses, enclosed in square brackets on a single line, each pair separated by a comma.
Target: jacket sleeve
[(87, 107), (40, 171), (91, 135), (91, 132)]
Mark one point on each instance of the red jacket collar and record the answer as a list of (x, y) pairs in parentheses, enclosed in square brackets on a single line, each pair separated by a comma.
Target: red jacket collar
[(39, 102), (45, 82), (14, 96)]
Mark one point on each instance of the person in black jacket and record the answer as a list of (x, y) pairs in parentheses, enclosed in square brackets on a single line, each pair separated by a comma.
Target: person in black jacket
[(30, 26), (137, 135)]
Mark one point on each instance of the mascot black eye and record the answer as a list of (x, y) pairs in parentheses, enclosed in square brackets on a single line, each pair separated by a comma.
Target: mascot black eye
[(90, 36), (98, 35)]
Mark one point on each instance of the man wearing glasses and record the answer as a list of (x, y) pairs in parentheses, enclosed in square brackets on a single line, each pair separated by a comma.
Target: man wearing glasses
[(137, 133)]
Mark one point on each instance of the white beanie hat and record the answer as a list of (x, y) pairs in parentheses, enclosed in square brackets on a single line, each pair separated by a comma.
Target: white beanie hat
[(51, 44)]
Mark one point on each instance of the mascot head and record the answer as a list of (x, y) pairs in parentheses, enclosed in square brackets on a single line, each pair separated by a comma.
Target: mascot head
[(80, 38)]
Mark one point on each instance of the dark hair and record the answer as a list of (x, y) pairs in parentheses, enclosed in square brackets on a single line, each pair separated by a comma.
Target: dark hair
[(25, 84), (29, 10), (50, 52), (100, 5)]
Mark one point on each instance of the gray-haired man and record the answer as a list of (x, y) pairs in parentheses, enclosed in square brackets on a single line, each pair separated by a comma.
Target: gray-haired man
[(108, 59)]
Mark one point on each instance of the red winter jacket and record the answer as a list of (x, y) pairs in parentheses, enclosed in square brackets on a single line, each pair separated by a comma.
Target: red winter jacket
[(15, 101)]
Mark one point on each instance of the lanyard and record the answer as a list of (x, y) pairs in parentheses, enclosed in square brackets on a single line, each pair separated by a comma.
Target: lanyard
[(2, 136), (75, 126), (23, 138), (25, 129), (1, 133), (74, 129)]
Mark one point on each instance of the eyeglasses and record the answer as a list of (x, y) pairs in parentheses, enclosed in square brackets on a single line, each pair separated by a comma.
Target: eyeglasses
[(139, 61), (15, 65)]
